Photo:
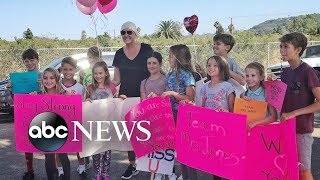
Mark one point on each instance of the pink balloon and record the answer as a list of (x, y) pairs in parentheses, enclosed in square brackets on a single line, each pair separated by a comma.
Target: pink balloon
[(107, 8), (87, 3), (104, 2), (87, 10)]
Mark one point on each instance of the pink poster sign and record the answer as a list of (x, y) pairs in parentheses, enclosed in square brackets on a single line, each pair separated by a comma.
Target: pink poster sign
[(214, 142), (275, 90), (272, 152), (157, 111), (43, 123)]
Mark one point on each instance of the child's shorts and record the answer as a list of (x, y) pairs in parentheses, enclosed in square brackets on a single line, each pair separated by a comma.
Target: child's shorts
[(304, 144)]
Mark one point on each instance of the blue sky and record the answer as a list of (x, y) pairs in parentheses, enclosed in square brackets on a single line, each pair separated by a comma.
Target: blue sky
[(62, 19)]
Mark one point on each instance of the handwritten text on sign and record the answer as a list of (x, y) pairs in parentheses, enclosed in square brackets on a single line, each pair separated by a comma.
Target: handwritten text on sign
[(212, 141), (157, 162), (28, 107), (275, 90), (272, 152), (158, 111), (255, 110)]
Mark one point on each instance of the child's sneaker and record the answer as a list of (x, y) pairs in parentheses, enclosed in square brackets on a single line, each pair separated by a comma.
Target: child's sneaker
[(158, 177), (172, 176), (180, 177), (28, 176), (131, 171)]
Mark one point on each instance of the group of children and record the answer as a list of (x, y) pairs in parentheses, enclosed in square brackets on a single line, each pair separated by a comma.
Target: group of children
[(217, 93)]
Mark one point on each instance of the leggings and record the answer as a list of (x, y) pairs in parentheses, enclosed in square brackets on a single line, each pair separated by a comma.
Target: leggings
[(101, 163), (29, 161), (50, 164)]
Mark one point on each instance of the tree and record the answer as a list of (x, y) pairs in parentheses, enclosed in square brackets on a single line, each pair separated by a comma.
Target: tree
[(28, 34), (83, 35), (305, 24), (104, 39), (219, 28), (169, 30)]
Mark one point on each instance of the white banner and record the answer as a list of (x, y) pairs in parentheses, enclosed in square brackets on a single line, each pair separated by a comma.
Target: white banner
[(104, 136)]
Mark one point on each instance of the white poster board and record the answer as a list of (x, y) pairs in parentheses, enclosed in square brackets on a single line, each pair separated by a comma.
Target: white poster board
[(157, 162), (113, 109)]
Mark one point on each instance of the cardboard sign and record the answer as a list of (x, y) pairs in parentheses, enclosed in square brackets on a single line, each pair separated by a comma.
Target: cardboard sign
[(24, 82), (105, 114), (28, 107), (275, 90), (272, 152), (255, 110), (157, 162), (158, 112), (214, 142)]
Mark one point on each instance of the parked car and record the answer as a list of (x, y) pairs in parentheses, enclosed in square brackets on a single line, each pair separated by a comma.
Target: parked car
[(311, 56), (6, 101)]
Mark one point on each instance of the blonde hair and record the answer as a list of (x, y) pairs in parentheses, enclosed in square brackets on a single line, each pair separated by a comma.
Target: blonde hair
[(56, 76), (95, 52), (259, 67)]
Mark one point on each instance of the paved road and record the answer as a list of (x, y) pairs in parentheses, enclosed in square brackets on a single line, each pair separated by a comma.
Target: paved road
[(12, 163)]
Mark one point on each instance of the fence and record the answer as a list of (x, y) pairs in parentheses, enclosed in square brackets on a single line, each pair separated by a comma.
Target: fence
[(264, 53)]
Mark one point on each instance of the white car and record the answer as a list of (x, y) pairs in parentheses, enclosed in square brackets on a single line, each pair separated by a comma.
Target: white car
[(83, 63), (311, 56)]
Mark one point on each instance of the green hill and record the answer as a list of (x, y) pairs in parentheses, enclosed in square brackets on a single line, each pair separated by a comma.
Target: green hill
[(308, 24)]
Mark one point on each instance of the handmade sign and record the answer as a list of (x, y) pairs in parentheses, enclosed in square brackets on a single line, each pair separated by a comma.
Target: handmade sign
[(275, 90), (157, 111), (214, 142), (157, 162), (105, 118), (272, 152), (28, 109), (255, 110), (24, 82)]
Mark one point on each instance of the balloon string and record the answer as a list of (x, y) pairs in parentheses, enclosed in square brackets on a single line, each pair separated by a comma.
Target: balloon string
[(194, 48), (95, 27)]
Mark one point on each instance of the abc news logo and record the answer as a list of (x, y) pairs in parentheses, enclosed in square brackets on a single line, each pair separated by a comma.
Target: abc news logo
[(48, 132)]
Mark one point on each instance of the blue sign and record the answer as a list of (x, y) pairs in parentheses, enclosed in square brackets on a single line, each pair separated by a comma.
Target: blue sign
[(24, 82)]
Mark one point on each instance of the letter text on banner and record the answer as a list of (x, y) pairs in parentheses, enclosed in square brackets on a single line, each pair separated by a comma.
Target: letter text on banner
[(214, 142), (272, 152), (157, 162), (275, 90), (255, 110), (158, 111), (27, 107)]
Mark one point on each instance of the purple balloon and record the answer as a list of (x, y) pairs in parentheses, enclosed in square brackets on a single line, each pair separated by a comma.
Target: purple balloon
[(87, 3), (87, 10), (107, 8)]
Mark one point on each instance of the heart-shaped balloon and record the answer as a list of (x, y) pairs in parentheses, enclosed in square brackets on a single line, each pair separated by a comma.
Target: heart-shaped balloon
[(191, 23)]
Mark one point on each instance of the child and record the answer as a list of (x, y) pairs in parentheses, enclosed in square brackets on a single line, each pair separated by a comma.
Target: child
[(222, 45), (181, 84), (30, 60), (302, 90), (155, 84), (71, 86), (101, 88), (218, 94), (51, 85), (255, 75), (94, 55)]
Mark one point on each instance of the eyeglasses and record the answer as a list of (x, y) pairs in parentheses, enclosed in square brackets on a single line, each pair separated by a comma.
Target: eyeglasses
[(124, 32)]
